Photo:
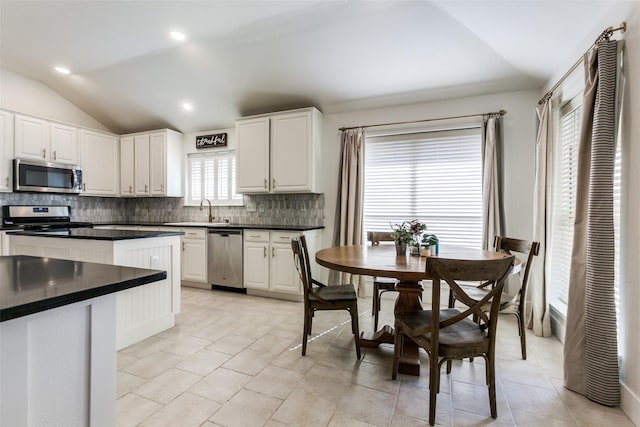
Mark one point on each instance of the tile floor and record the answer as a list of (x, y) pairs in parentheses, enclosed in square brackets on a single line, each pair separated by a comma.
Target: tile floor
[(234, 360)]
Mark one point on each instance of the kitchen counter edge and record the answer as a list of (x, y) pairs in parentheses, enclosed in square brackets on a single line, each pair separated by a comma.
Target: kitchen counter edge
[(110, 279), (230, 226)]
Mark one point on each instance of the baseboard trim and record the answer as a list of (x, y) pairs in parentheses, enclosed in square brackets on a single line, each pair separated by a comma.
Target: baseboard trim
[(558, 323), (630, 404)]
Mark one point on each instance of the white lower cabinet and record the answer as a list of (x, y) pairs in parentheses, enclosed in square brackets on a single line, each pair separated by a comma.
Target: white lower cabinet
[(269, 269), (4, 243), (194, 257)]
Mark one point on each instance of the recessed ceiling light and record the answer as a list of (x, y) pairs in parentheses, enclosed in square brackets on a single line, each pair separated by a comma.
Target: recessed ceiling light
[(187, 106), (177, 35), (62, 70)]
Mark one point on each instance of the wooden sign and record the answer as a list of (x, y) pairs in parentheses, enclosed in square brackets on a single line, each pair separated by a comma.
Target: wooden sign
[(209, 141)]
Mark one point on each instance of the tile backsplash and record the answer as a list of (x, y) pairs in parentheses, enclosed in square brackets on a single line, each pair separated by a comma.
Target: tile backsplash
[(268, 209)]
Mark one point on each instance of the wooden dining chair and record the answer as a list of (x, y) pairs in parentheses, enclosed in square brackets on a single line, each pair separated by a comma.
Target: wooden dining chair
[(318, 296), (510, 304), (380, 284), (448, 334)]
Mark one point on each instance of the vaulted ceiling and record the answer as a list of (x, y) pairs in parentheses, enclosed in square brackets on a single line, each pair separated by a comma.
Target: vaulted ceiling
[(247, 57)]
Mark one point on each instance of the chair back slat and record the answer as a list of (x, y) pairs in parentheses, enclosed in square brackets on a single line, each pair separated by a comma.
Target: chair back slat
[(527, 249), (375, 237), (451, 271), (301, 261)]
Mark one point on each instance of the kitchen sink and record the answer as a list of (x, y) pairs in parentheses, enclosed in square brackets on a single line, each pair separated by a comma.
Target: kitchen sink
[(198, 224)]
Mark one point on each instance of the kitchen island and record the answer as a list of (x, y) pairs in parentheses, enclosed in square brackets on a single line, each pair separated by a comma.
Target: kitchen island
[(140, 312), (57, 339)]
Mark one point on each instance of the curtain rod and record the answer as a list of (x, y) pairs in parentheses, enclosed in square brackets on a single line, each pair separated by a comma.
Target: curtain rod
[(605, 35), (497, 113)]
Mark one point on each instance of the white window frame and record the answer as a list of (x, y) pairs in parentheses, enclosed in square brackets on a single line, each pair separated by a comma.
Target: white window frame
[(216, 179), (438, 206)]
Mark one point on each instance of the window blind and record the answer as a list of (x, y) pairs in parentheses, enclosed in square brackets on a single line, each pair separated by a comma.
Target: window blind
[(435, 177), (564, 203), (212, 176), (564, 199)]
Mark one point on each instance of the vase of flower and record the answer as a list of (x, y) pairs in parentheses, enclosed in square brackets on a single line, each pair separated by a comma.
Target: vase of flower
[(402, 237)]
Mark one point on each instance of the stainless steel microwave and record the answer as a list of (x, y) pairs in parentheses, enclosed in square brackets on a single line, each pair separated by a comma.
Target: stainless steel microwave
[(35, 176)]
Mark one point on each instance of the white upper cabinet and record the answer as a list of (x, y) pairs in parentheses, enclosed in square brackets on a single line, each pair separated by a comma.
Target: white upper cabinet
[(40, 139), (64, 143), (152, 164), (126, 167), (252, 155), (277, 152), (159, 167), (100, 163), (6, 150), (141, 164)]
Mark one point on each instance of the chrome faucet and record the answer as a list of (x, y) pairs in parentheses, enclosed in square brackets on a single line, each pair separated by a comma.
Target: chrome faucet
[(210, 215)]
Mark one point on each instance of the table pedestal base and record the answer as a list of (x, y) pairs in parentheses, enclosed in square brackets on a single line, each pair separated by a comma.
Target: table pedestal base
[(382, 336), (409, 299)]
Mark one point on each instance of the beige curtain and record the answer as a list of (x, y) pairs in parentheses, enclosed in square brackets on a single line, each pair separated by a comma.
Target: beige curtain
[(538, 310), (348, 222), (590, 352), (492, 205)]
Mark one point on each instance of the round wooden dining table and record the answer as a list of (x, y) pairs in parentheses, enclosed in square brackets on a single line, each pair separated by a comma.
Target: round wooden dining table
[(382, 261)]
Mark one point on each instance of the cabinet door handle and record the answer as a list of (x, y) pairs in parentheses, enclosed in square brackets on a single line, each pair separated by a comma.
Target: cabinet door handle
[(55, 155), (274, 183), (84, 187), (273, 252), (146, 188), (130, 189), (44, 153), (7, 180), (162, 188), (265, 183), (183, 247), (265, 251)]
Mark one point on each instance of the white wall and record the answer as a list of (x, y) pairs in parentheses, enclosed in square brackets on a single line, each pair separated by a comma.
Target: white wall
[(519, 124), (25, 95), (630, 213)]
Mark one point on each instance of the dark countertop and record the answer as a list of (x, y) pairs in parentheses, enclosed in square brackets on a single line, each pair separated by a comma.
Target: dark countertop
[(231, 226), (32, 284), (97, 234)]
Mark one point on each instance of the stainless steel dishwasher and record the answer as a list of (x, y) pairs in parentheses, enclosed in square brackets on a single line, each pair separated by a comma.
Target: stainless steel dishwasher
[(225, 258)]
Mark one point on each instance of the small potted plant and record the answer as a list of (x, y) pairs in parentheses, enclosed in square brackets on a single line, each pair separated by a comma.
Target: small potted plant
[(431, 241), (402, 236)]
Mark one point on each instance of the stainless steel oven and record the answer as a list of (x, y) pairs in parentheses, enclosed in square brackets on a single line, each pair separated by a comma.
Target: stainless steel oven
[(35, 176)]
